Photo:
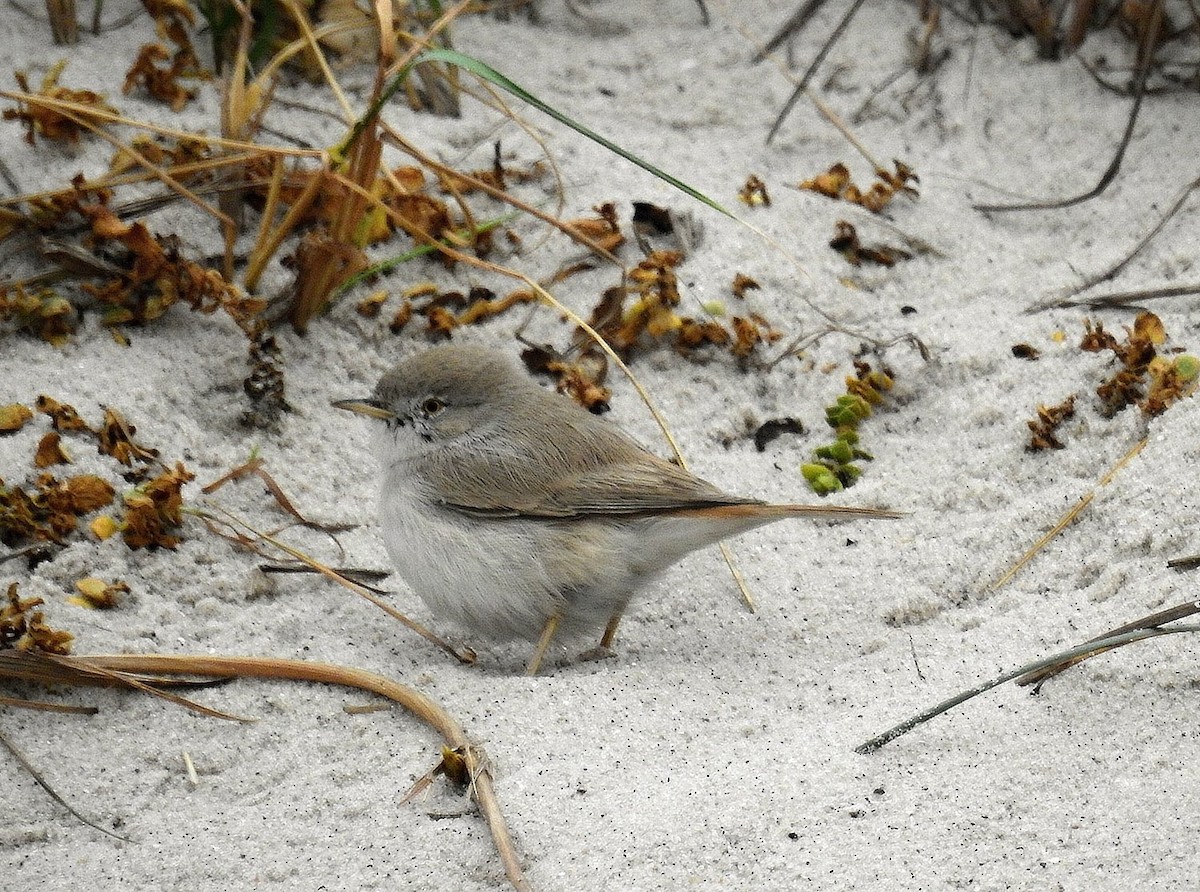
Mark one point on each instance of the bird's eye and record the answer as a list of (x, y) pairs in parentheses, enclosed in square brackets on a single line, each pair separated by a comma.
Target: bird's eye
[(432, 406)]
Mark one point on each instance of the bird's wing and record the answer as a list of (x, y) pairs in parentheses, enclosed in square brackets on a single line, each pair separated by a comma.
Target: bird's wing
[(583, 472)]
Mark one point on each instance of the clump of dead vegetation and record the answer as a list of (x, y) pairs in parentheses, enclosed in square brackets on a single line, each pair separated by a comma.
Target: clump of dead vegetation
[(1142, 377)]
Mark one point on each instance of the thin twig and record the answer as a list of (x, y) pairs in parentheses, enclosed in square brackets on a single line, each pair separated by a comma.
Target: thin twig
[(1154, 620), (1087, 649), (1122, 298), (1114, 270), (463, 655), (50, 791), (812, 69)]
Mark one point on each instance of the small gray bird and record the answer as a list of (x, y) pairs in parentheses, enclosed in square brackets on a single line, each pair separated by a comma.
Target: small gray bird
[(516, 513)]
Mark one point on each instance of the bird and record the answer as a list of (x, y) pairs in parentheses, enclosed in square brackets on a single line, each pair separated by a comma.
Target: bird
[(516, 513)]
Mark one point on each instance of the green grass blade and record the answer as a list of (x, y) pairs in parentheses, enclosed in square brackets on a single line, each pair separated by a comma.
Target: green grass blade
[(494, 77)]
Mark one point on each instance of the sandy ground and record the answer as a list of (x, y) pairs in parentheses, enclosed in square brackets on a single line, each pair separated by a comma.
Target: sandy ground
[(716, 750)]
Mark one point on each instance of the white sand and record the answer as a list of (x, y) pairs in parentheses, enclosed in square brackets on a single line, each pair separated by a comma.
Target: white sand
[(716, 751)]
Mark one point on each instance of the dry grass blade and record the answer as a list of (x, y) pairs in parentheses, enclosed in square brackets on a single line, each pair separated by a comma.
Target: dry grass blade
[(53, 669), (415, 702), (43, 706), (1153, 621), (1068, 518), (50, 791), (254, 467)]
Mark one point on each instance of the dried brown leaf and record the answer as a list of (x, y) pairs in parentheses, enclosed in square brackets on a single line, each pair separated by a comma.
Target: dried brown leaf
[(13, 417), (50, 452)]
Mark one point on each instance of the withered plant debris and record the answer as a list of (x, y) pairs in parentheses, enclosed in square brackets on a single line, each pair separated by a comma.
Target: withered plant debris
[(50, 451), (265, 384), (439, 308), (1026, 351), (773, 429), (96, 594), (498, 176), (39, 120), (604, 229), (1044, 429), (154, 510), (63, 417), (156, 276), (13, 417), (453, 766), (845, 241), (834, 467), (49, 509), (42, 312), (115, 438), (754, 192), (157, 71), (836, 183), (24, 628), (582, 378), (652, 317), (173, 153), (1145, 378), (370, 305), (743, 283), (256, 467)]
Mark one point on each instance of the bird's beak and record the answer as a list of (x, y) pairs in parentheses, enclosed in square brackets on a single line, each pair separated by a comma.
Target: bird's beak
[(370, 407)]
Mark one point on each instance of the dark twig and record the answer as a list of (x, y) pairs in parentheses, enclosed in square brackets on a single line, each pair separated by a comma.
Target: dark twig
[(1088, 649), (1122, 298), (1113, 271), (50, 791), (789, 29), (1182, 564), (1145, 58), (1154, 620), (812, 69)]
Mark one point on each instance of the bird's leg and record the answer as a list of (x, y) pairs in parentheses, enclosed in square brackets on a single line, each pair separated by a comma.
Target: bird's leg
[(610, 631), (539, 652)]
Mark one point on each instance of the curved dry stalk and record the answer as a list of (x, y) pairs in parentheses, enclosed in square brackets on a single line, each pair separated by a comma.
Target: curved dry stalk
[(415, 702), (1064, 297)]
